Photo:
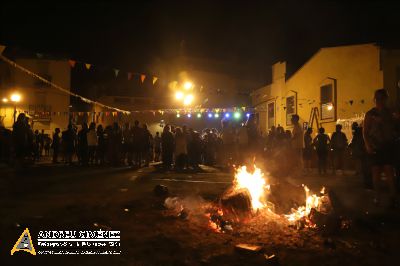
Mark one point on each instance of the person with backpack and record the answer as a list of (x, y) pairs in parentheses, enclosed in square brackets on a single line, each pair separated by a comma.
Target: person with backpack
[(339, 145)]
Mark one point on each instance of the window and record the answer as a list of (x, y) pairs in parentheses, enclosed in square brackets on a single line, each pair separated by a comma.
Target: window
[(271, 114), (327, 102), (290, 109)]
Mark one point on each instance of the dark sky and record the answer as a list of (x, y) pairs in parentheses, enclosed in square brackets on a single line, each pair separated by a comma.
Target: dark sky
[(249, 34)]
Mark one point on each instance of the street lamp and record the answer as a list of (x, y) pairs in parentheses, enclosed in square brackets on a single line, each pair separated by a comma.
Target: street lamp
[(188, 85), (15, 98), (5, 100), (188, 99), (179, 95)]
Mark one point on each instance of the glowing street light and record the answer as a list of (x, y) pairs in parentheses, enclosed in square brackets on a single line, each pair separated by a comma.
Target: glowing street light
[(188, 99), (189, 115), (227, 115), (199, 115), (209, 115), (15, 97), (5, 100), (178, 115), (179, 95), (187, 85), (236, 115), (216, 115)]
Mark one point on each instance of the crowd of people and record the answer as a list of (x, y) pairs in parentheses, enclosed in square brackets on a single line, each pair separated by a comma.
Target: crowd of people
[(134, 145), (374, 146)]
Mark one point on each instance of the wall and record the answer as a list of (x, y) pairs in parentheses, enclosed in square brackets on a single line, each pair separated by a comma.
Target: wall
[(36, 94), (390, 60), (355, 70)]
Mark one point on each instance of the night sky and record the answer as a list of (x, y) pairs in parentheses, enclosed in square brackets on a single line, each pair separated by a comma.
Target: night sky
[(248, 35)]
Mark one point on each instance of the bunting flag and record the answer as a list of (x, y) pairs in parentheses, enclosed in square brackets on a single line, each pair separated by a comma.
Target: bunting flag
[(129, 75), (154, 80), (116, 71), (72, 62), (66, 91), (88, 66), (142, 77)]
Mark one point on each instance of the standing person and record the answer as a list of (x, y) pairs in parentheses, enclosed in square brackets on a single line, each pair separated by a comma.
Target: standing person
[(47, 143), (359, 155), (196, 150), (68, 142), (56, 145), (338, 145), (157, 147), (115, 144), (92, 142), (271, 139), (297, 141), (228, 143), (147, 138), (252, 133), (308, 149), (379, 137), (243, 144), (137, 137), (167, 146), (127, 144), (101, 145), (321, 143), (20, 137), (36, 146), (5, 144), (180, 149), (209, 147), (83, 147), (42, 138)]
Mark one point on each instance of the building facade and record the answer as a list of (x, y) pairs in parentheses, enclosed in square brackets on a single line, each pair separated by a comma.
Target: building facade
[(47, 107), (335, 84)]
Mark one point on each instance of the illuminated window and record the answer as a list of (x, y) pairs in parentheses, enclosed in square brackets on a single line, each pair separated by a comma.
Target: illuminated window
[(327, 102)]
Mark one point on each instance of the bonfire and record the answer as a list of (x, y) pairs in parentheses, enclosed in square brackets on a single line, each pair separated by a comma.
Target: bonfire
[(248, 196)]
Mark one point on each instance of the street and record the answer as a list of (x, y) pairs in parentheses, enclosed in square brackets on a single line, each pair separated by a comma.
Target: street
[(73, 198)]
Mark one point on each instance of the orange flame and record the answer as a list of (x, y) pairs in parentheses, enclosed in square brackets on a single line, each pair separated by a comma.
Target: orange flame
[(312, 201), (254, 183)]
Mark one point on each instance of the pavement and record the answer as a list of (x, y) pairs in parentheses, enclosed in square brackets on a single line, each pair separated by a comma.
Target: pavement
[(60, 197)]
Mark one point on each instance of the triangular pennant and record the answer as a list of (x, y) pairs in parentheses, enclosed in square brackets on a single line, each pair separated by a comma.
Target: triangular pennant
[(142, 77), (116, 71), (88, 66), (24, 243), (154, 80), (72, 63), (2, 47), (129, 75)]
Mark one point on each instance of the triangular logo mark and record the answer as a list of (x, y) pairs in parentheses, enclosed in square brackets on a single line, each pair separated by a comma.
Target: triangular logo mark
[(24, 243)]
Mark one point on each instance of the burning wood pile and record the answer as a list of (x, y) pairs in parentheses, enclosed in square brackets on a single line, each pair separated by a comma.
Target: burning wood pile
[(251, 197)]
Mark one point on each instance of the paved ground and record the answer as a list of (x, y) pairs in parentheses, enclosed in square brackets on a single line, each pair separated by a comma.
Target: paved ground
[(59, 197)]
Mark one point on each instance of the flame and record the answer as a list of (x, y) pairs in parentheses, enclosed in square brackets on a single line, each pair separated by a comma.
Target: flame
[(254, 183), (312, 201)]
